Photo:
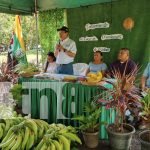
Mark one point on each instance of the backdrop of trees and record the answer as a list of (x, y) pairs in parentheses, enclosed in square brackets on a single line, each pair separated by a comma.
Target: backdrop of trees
[(48, 22), (7, 25)]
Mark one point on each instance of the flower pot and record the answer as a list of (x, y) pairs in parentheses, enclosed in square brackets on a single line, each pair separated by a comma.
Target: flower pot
[(145, 140), (91, 139), (118, 140)]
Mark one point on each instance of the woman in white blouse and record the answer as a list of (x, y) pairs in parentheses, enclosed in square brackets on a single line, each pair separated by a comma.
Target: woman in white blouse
[(50, 65)]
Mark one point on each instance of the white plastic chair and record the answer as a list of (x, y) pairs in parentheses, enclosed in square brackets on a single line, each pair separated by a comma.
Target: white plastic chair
[(80, 69)]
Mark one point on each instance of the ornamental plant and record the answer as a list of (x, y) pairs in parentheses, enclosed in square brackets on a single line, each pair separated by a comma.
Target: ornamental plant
[(123, 92), (7, 75), (145, 113), (89, 123)]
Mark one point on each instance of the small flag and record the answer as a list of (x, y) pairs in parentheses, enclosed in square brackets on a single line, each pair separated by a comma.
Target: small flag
[(17, 49)]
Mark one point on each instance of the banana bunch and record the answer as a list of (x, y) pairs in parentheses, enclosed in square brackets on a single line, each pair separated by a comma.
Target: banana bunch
[(94, 77), (6, 124), (13, 138), (20, 133), (58, 137), (42, 128), (24, 135)]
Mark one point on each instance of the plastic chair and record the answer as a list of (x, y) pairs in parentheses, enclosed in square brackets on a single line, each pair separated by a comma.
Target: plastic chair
[(80, 69)]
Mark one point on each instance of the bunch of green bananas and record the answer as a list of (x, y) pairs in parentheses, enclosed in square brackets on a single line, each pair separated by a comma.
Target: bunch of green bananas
[(24, 135), (58, 137), (6, 124), (21, 133)]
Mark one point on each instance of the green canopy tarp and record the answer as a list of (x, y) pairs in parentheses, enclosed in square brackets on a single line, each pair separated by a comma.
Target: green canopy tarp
[(28, 6)]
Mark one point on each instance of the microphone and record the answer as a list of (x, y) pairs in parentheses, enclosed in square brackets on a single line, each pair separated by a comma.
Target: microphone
[(59, 44)]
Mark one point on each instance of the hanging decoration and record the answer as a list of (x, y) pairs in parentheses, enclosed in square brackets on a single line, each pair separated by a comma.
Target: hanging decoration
[(111, 37), (87, 38), (102, 49), (128, 23), (89, 26)]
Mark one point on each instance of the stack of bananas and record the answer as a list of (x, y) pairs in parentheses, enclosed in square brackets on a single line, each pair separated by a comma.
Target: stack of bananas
[(24, 135), (6, 124), (21, 133), (94, 77), (58, 137)]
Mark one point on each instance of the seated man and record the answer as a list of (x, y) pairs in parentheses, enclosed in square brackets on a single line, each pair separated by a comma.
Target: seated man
[(124, 65), (145, 82)]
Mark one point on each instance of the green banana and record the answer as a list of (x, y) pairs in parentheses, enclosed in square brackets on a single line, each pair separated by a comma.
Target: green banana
[(62, 131), (71, 129), (9, 141), (32, 125), (49, 147), (65, 141), (61, 144), (49, 131), (40, 145), (57, 145), (18, 142), (44, 147), (45, 124), (7, 125), (2, 125), (16, 120), (11, 144), (40, 128), (9, 133), (26, 137), (72, 137), (1, 131), (30, 141), (41, 132), (60, 125), (53, 146)]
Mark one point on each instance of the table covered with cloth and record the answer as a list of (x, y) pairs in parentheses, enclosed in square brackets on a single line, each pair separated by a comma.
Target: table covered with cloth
[(58, 102)]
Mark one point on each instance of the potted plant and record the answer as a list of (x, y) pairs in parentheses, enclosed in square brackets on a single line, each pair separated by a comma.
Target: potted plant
[(89, 124), (144, 136), (122, 93)]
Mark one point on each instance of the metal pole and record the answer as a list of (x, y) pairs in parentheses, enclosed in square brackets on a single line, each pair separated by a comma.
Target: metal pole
[(37, 34)]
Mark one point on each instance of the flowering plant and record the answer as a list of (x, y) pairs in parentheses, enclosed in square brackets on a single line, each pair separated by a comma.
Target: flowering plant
[(120, 96)]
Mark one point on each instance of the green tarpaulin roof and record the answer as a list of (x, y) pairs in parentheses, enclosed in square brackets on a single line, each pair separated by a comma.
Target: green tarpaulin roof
[(28, 6)]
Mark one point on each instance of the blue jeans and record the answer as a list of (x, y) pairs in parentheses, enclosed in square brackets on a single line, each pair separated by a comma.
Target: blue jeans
[(65, 69)]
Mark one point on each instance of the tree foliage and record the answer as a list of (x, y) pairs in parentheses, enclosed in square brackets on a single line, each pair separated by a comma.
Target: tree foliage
[(48, 23), (6, 28), (7, 24)]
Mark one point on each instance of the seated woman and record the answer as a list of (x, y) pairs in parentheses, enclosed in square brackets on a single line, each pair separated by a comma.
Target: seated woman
[(97, 64), (50, 65), (145, 82)]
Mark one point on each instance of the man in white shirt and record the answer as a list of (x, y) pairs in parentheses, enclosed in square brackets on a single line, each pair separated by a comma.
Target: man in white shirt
[(65, 52)]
